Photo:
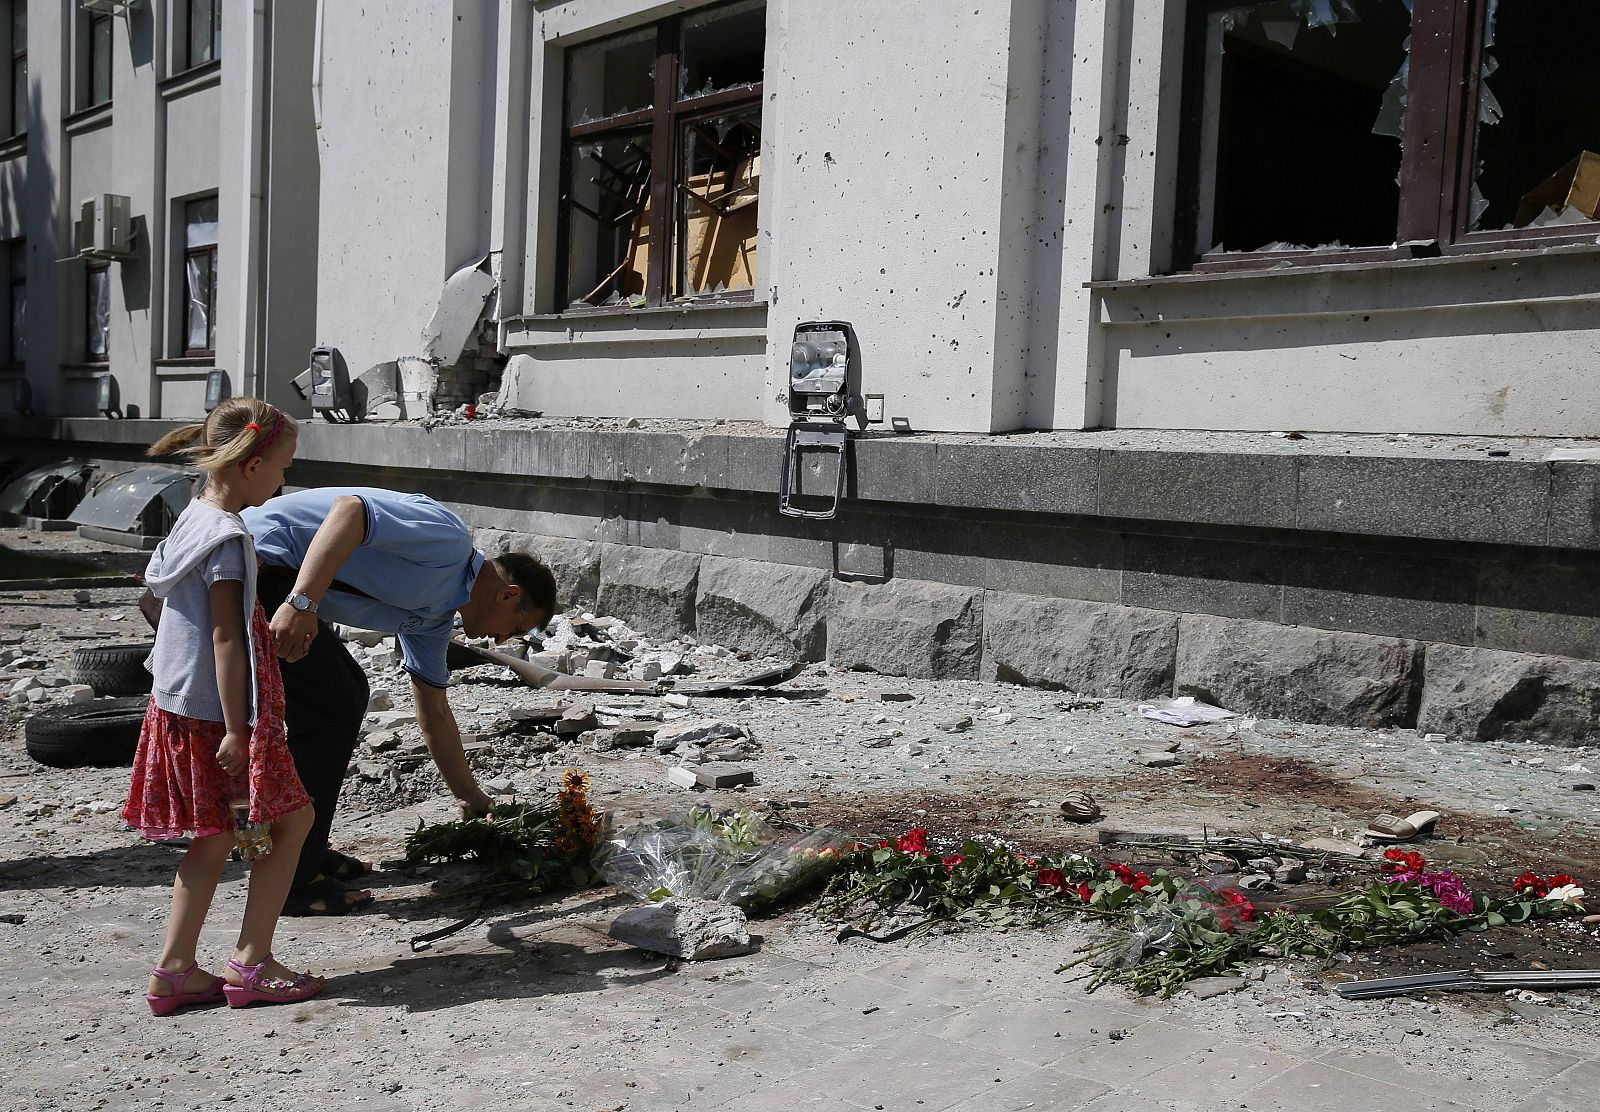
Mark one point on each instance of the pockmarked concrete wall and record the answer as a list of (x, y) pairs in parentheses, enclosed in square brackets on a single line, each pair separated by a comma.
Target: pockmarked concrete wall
[(403, 167), (902, 164)]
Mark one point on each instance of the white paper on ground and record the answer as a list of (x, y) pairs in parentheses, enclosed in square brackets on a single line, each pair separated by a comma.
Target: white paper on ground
[(1184, 711)]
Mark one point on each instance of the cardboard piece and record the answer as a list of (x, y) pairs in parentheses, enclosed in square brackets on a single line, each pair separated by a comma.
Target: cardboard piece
[(1575, 185)]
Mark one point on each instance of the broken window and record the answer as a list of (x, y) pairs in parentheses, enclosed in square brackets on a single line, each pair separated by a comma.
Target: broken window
[(1537, 126), (200, 277), (97, 59), (1323, 130), (97, 312), (202, 32), (19, 67), (661, 171), (17, 301)]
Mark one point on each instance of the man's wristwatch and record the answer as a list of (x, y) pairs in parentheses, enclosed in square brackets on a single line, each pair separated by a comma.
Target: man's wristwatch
[(302, 603)]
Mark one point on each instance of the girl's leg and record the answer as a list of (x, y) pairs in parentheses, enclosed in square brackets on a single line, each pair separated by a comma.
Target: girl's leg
[(192, 891), (270, 877)]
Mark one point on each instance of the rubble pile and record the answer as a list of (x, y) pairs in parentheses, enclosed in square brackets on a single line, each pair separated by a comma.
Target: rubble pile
[(512, 734)]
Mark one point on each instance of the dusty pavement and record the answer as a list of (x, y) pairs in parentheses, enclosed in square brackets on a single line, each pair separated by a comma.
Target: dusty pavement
[(533, 1007)]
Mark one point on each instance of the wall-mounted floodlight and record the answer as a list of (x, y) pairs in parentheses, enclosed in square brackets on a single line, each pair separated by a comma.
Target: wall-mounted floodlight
[(109, 398), (824, 391), (217, 390)]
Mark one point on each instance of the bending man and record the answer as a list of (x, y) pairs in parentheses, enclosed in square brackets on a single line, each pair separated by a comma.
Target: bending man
[(393, 563)]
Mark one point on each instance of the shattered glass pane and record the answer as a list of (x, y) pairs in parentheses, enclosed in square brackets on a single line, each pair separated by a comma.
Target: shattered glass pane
[(611, 77), (200, 223), (97, 308), (199, 281), (1538, 125), (719, 187), (1303, 112), (606, 208), (722, 48)]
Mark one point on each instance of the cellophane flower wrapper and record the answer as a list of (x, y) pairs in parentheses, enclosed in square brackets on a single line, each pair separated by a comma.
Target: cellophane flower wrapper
[(1190, 922), (669, 856), (785, 869)]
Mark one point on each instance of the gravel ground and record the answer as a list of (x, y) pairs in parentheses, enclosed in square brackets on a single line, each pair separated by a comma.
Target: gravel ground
[(82, 901)]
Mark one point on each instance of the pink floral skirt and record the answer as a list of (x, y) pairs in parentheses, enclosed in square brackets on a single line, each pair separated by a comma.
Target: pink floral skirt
[(178, 786)]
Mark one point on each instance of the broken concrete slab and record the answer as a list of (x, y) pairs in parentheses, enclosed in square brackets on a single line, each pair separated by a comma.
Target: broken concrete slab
[(905, 627), (695, 930), (456, 316), (651, 588), (683, 777), (1090, 648), (577, 719), (632, 735), (1312, 675), (1204, 988), (1489, 694), (760, 607), (720, 777), (696, 731)]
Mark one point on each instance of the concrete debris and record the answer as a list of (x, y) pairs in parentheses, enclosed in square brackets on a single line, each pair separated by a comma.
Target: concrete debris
[(956, 726), (1204, 988), (78, 693), (683, 777), (633, 735), (381, 741), (720, 776), (1159, 760), (500, 785), (696, 732), (578, 719), (379, 700), (695, 930)]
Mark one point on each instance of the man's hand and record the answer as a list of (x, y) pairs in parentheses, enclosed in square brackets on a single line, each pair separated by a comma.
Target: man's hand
[(292, 631), (234, 754), (476, 804)]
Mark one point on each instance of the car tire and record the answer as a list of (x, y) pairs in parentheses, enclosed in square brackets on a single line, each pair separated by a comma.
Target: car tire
[(113, 670), (103, 734)]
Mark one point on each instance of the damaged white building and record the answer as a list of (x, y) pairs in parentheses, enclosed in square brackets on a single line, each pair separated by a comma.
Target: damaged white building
[(1030, 217)]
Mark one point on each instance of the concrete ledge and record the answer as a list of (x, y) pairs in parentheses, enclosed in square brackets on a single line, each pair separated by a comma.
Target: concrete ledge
[(760, 607), (1086, 647), (1445, 489), (906, 628), (1487, 695)]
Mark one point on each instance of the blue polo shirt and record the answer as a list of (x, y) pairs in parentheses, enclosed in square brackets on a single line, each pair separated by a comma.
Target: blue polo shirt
[(416, 564)]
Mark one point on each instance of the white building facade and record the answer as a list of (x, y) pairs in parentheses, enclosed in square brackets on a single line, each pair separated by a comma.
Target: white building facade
[(1342, 215)]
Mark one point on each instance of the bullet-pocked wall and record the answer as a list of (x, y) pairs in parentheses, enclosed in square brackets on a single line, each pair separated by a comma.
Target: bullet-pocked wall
[(405, 147)]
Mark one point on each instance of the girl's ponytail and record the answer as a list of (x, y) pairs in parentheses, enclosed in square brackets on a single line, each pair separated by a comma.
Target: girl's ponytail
[(232, 433)]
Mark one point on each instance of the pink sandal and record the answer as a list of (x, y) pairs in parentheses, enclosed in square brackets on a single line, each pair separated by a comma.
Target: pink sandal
[(177, 998), (268, 990)]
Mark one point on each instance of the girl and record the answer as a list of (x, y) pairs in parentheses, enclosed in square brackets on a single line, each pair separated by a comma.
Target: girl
[(213, 732)]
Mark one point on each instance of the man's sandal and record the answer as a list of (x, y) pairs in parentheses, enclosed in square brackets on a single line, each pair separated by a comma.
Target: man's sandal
[(341, 866), (259, 989), (177, 998), (335, 898)]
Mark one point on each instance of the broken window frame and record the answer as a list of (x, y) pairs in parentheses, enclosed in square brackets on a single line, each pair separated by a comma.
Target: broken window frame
[(93, 332), (16, 302), (19, 67), (1436, 161), (665, 120), (204, 255)]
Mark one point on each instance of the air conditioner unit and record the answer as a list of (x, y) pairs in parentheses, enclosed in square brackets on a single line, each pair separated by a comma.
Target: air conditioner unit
[(105, 229), (109, 7)]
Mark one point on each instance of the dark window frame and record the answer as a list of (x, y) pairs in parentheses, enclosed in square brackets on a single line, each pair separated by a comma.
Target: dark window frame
[(1436, 176), (215, 46), (209, 253), (91, 268), (664, 121), (91, 58), (19, 62), (16, 279)]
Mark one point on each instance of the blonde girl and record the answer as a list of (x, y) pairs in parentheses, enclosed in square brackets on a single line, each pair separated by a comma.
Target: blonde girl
[(213, 734)]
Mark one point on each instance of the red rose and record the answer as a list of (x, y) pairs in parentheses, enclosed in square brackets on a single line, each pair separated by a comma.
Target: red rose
[(1530, 884), (1052, 878), (1085, 893), (1122, 873), (1558, 880), (950, 862), (914, 840), (1139, 882)]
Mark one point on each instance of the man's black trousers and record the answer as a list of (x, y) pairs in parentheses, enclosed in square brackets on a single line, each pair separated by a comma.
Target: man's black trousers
[(325, 699)]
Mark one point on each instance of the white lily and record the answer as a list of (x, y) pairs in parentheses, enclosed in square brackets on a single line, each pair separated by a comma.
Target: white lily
[(1568, 894)]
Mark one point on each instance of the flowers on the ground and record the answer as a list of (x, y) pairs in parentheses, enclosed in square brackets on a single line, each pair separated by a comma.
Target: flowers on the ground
[(577, 823), (1569, 894), (914, 840)]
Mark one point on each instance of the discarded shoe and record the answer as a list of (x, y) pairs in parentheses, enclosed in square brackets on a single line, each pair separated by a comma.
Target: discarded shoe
[(268, 990), (1389, 828), (1080, 807), (177, 998)]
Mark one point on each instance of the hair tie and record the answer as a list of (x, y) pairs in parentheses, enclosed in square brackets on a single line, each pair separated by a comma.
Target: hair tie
[(253, 427)]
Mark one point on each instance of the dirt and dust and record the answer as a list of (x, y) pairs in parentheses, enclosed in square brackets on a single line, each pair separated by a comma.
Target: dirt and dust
[(82, 900)]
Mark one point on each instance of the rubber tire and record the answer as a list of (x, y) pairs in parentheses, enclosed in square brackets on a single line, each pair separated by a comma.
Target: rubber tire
[(103, 734), (113, 670)]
